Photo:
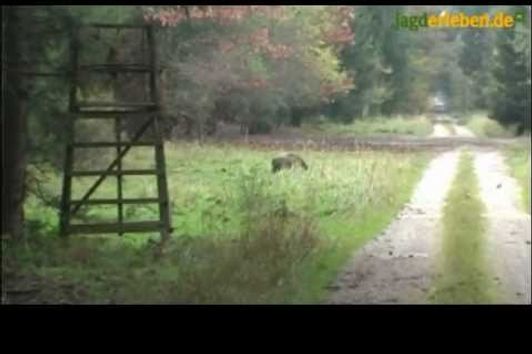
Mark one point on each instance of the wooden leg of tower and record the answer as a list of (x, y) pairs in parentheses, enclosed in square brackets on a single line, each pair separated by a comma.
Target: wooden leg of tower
[(119, 176), (162, 186), (67, 189)]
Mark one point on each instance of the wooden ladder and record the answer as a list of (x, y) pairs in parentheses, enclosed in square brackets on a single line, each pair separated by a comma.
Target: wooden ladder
[(118, 111)]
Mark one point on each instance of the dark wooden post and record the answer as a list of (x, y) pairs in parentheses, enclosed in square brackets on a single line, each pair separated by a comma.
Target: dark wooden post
[(15, 96), (164, 207), (120, 208), (69, 153)]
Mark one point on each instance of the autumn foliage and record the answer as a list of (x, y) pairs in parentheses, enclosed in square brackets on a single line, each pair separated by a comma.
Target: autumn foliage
[(267, 58)]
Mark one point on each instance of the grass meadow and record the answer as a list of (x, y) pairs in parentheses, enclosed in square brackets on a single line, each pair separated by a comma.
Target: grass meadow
[(241, 234)]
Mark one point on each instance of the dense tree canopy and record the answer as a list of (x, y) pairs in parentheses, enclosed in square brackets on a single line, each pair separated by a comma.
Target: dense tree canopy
[(262, 66)]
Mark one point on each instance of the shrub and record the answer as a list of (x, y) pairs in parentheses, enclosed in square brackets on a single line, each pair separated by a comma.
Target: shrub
[(482, 126)]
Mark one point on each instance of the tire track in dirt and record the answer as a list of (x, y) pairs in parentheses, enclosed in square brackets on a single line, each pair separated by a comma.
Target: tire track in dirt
[(463, 131), (508, 233), (440, 131), (398, 266)]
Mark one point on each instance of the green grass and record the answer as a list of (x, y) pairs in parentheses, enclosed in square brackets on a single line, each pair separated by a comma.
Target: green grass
[(518, 159), (416, 126), (242, 234), (463, 118), (484, 127), (463, 276)]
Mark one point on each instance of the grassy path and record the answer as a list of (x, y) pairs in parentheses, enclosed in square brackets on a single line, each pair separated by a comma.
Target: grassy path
[(463, 272)]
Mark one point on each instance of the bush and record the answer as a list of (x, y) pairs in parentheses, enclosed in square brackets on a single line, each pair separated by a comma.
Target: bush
[(484, 127)]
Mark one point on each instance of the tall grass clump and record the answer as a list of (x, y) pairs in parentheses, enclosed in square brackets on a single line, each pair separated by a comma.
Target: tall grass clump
[(262, 263), (484, 127)]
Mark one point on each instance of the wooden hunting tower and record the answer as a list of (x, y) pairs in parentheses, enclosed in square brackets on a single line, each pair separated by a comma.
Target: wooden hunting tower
[(141, 112)]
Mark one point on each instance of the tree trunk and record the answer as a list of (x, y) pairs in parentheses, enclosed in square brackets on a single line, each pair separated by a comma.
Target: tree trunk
[(199, 130), (296, 117), (14, 129)]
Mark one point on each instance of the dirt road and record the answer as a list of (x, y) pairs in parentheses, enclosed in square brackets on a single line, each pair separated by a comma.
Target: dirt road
[(399, 265), (508, 236), (463, 132), (441, 131)]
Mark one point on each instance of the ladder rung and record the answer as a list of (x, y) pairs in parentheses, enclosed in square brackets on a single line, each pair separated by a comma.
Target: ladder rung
[(117, 201), (112, 144), (112, 68), (116, 104), (98, 114), (114, 173), (116, 107), (113, 25), (141, 226)]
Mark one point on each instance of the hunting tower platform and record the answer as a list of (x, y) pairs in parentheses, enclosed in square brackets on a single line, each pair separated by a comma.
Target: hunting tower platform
[(93, 56)]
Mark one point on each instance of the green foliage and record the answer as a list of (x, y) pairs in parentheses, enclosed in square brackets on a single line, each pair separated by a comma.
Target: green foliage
[(263, 70), (365, 59), (482, 126), (104, 14), (46, 31), (496, 66), (395, 72), (260, 67), (511, 101), (476, 61)]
